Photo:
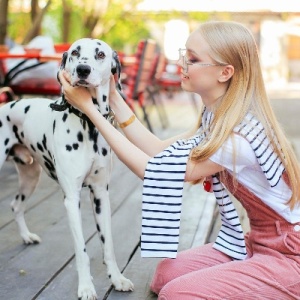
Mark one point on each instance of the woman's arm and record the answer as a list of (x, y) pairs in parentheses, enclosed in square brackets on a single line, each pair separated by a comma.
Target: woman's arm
[(136, 132)]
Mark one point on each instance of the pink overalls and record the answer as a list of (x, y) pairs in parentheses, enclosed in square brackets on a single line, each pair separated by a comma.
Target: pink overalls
[(272, 270)]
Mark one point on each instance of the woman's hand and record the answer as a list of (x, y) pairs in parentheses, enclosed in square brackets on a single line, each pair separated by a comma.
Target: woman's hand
[(78, 97)]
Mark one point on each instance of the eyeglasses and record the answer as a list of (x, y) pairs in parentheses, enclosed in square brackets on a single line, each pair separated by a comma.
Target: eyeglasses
[(185, 62)]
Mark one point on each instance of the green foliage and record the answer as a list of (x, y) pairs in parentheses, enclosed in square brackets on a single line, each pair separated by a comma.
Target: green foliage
[(120, 26)]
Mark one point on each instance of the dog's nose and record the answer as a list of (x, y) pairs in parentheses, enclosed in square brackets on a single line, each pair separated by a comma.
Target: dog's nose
[(83, 71)]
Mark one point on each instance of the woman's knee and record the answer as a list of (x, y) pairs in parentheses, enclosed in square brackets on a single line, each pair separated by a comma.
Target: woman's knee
[(163, 274)]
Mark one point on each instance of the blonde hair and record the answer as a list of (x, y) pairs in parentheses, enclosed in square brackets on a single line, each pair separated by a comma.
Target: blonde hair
[(233, 43)]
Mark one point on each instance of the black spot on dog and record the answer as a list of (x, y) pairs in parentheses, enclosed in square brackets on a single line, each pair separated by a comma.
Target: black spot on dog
[(80, 136), (65, 116), (104, 98), (17, 197), (0, 123), (102, 238), (94, 100), (26, 109), (84, 250), (54, 125), (96, 172), (75, 146), (6, 151), (104, 151), (13, 104), (50, 154), (98, 228), (8, 118), (15, 130), (40, 147), (97, 204), (95, 147), (32, 147), (68, 130), (107, 187), (6, 142), (44, 141), (49, 164), (97, 201), (68, 147), (22, 197)]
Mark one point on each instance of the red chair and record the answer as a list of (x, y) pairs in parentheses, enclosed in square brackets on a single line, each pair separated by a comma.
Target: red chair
[(6, 95), (170, 81), (138, 77)]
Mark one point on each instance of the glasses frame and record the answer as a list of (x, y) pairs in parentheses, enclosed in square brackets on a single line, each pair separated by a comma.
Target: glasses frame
[(186, 63)]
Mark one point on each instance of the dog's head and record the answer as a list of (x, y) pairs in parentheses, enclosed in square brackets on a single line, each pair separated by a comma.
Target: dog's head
[(90, 63)]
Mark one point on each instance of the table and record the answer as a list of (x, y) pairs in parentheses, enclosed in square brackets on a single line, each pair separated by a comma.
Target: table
[(31, 55)]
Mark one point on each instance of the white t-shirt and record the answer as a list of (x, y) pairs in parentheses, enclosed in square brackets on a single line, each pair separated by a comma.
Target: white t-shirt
[(249, 173)]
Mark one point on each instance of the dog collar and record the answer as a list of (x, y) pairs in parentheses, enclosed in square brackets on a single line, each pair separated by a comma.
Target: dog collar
[(110, 116)]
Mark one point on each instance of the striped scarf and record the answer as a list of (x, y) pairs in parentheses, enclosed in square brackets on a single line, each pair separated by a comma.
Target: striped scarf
[(163, 190)]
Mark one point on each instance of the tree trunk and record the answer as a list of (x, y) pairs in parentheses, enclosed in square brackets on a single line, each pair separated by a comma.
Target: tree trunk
[(35, 9), (3, 20), (36, 25), (93, 17), (67, 11)]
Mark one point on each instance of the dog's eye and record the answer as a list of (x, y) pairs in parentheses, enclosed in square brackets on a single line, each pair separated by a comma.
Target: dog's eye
[(100, 55), (74, 53)]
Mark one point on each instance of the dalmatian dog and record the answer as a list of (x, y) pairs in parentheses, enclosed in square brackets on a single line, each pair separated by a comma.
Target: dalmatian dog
[(58, 138)]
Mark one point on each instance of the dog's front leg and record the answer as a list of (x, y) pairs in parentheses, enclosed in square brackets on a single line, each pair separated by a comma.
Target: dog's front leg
[(86, 289), (100, 200)]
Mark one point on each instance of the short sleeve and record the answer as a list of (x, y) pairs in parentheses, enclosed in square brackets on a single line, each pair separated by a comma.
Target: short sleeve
[(235, 154)]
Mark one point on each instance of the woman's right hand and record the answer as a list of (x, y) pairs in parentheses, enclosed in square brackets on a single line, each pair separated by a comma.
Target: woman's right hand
[(78, 97)]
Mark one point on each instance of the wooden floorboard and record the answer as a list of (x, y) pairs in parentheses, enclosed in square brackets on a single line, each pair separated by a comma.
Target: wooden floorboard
[(47, 271)]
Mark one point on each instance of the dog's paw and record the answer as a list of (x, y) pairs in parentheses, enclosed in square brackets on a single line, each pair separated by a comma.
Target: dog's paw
[(123, 284), (31, 238), (87, 293)]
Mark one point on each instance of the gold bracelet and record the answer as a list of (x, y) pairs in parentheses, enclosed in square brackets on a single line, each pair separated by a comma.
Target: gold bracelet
[(128, 122)]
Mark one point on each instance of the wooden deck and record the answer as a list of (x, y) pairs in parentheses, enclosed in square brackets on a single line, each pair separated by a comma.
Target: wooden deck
[(47, 271)]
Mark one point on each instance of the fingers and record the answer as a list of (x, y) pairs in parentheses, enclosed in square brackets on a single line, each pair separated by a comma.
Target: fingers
[(64, 78)]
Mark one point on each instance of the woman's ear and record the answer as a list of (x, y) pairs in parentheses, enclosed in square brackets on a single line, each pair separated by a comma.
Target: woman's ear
[(227, 73)]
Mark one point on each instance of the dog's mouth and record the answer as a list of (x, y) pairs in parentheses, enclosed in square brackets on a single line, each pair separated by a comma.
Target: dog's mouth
[(82, 82)]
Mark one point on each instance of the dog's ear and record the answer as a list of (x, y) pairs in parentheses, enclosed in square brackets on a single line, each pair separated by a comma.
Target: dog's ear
[(116, 69), (63, 60), (62, 64)]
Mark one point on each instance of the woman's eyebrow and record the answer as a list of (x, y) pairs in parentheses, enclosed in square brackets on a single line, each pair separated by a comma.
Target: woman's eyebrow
[(192, 51)]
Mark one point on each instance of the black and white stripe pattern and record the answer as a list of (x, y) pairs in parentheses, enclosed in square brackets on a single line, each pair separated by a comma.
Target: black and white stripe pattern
[(230, 239), (163, 187), (269, 161), (162, 197)]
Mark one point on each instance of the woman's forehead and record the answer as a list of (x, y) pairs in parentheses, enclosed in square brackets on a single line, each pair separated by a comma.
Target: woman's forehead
[(196, 44)]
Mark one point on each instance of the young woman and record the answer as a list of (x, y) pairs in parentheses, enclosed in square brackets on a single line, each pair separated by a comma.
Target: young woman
[(237, 147)]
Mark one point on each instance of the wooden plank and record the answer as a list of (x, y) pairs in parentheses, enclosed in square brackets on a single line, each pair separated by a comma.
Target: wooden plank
[(53, 230), (141, 271), (126, 223), (197, 209)]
